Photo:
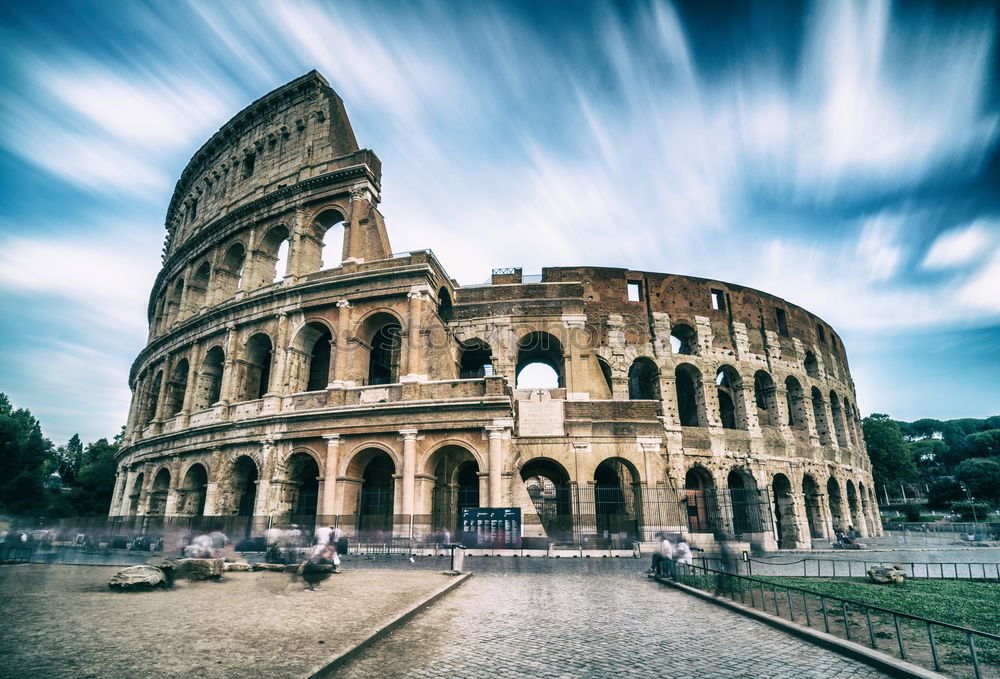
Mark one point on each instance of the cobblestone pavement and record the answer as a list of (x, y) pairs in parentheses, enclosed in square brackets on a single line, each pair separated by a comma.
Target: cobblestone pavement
[(588, 626)]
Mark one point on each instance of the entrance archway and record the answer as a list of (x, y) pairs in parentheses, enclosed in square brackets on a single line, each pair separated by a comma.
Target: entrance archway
[(456, 487), (699, 492), (785, 524), (244, 486), (303, 487), (547, 483), (836, 504), (375, 502), (617, 500), (193, 491), (814, 511)]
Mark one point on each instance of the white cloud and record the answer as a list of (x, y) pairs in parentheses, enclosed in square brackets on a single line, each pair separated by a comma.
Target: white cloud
[(961, 246)]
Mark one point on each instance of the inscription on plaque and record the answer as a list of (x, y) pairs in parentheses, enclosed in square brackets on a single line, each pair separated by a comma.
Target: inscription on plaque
[(540, 415)]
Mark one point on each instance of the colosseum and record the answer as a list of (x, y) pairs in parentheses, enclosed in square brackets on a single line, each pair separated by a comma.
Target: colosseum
[(299, 371)]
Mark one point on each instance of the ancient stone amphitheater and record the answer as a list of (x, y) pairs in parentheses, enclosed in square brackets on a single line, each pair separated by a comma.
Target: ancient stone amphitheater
[(299, 371)]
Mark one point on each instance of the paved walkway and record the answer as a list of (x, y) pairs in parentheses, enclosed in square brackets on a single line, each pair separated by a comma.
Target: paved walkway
[(588, 626)]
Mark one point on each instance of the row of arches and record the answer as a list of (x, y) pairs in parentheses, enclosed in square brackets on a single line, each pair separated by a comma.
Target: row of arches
[(245, 265)]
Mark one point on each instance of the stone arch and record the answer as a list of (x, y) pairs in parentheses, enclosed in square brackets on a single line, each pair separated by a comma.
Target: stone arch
[(838, 420), (548, 485), (454, 469), (229, 273), (539, 349), (836, 504), (197, 288), (177, 387), (330, 241), (244, 478), (193, 491), (849, 421), (158, 493), (819, 416), (765, 397), (617, 498), (445, 308), (308, 366), (605, 367), (684, 340), (811, 365), (475, 359), (644, 380), (700, 499), (745, 502), (785, 519), (732, 406), (380, 333), (259, 356), (135, 495), (210, 378), (813, 500), (796, 404), (691, 409), (371, 470), (866, 509), (153, 398), (853, 507), (299, 484), (175, 296), (271, 256)]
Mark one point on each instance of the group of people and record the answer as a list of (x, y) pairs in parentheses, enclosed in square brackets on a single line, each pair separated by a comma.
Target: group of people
[(848, 540), (324, 557), (668, 554)]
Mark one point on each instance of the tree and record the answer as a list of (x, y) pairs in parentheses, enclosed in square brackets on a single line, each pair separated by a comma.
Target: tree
[(981, 476), (984, 444), (96, 479), (890, 457), (943, 492), (25, 457)]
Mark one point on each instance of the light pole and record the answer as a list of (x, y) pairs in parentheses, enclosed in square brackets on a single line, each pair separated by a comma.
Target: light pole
[(972, 504)]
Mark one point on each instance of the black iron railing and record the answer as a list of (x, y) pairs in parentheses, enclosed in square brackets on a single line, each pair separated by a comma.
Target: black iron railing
[(858, 568), (960, 651)]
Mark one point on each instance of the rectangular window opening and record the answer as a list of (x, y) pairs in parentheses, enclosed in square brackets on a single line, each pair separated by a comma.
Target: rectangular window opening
[(634, 291), (248, 164), (718, 300), (782, 322), (820, 333)]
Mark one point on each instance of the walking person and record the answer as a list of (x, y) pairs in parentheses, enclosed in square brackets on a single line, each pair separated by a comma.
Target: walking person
[(682, 554)]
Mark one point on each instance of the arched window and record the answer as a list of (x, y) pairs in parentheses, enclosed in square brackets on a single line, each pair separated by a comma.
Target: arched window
[(210, 378), (383, 361), (643, 380), (606, 374), (158, 493), (153, 397), (819, 416), (198, 288), (271, 258), (319, 358), (765, 398), (690, 396), (193, 492), (702, 508), (539, 362), (230, 274), (444, 305), (303, 475), (796, 403), (729, 387), (177, 387), (330, 229), (476, 359), (174, 302), (244, 486), (836, 504), (814, 512), (838, 419), (259, 354), (684, 339), (811, 365)]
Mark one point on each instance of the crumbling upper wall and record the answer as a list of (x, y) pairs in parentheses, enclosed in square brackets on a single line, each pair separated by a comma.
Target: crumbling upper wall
[(298, 131)]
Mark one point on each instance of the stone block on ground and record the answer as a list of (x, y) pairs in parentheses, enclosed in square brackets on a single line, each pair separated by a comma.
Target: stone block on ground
[(886, 575), (240, 566), (277, 567), (137, 579), (202, 569)]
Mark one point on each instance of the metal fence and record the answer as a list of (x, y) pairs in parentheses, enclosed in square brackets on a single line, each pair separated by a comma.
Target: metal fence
[(857, 568), (960, 651)]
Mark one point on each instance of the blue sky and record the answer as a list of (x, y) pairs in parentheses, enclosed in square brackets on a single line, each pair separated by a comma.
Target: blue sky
[(841, 155)]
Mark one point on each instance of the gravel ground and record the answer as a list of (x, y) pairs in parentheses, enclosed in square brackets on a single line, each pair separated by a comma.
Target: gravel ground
[(63, 621)]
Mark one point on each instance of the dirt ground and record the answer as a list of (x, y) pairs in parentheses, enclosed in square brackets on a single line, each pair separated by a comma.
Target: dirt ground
[(63, 621)]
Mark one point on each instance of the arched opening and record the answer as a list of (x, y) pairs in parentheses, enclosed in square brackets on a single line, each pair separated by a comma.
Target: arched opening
[(309, 366), (836, 504), (745, 503), (548, 487), (456, 487), (699, 493), (796, 404), (210, 378), (476, 359), (606, 374), (383, 361), (193, 491), (811, 365), (690, 396), (854, 507), (273, 255), (617, 499), (765, 398), (174, 302), (643, 380), (259, 354), (302, 487), (866, 509), (838, 419), (198, 288), (444, 305), (849, 422), (814, 510), (158, 493), (153, 397), (819, 416), (684, 340), (330, 228), (230, 273), (135, 495), (787, 530), (539, 362), (375, 504), (244, 488), (729, 387), (177, 386)]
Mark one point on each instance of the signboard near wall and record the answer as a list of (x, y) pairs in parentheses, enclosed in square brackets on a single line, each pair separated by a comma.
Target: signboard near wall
[(496, 527)]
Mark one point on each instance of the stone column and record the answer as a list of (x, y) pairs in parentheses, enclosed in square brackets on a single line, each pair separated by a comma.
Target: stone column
[(341, 347), (161, 397), (409, 470), (495, 465), (414, 357), (329, 504), (264, 481), (121, 477), (746, 392), (227, 393), (279, 378), (212, 487)]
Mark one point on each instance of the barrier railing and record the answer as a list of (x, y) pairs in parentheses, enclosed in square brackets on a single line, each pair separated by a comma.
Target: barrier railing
[(959, 651), (858, 568)]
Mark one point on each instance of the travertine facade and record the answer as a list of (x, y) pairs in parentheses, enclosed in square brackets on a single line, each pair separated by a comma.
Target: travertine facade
[(376, 391)]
